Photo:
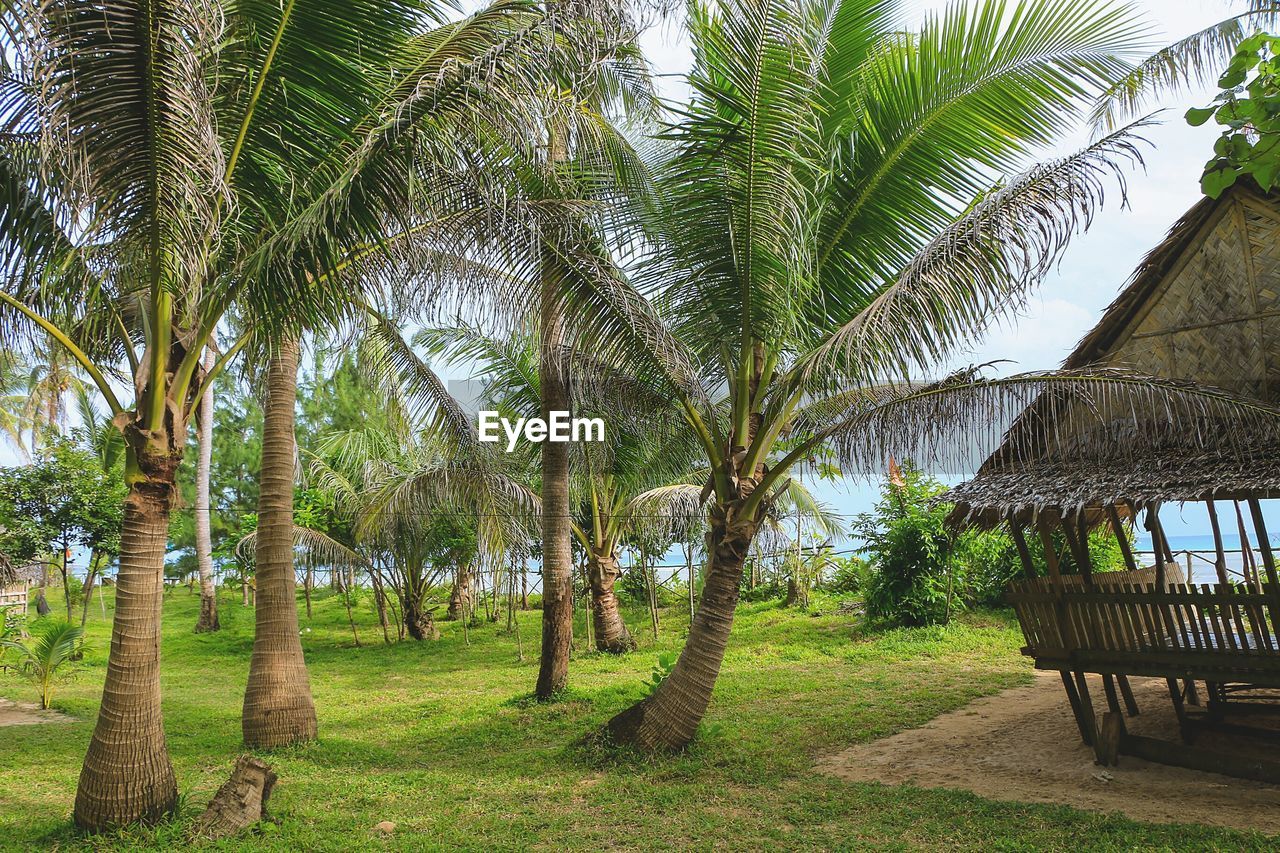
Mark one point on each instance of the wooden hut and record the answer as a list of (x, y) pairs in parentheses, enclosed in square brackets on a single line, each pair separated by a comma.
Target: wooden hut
[(1203, 307)]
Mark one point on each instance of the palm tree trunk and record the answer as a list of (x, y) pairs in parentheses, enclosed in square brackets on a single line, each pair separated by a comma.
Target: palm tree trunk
[(418, 621), (127, 776), (87, 597), (611, 632), (460, 595), (668, 719), (278, 709), (208, 620), (557, 552)]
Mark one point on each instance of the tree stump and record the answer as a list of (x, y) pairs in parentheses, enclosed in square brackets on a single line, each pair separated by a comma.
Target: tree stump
[(240, 803)]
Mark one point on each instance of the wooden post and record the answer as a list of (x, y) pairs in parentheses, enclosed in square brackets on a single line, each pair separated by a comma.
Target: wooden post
[(1130, 703), (1264, 544), (1086, 707), (1157, 543), (1078, 541), (1077, 709), (1024, 553), (1250, 568), (1050, 557), (1268, 561), (1220, 564), (1117, 527)]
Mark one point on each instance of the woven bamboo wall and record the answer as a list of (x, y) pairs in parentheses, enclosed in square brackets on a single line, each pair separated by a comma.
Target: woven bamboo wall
[(1212, 319)]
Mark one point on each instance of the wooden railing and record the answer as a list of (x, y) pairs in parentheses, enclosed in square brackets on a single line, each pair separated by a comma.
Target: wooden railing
[(1120, 623)]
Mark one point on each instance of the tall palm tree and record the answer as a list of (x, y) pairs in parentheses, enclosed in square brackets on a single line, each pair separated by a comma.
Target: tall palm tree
[(840, 208), (490, 119), (158, 171)]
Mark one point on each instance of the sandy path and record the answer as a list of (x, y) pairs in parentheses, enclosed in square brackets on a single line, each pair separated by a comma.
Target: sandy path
[(23, 714), (1023, 745)]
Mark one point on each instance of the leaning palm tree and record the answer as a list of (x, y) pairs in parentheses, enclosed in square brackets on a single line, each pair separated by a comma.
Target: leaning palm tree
[(839, 209)]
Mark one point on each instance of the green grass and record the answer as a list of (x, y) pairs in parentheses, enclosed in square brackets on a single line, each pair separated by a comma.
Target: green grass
[(441, 738)]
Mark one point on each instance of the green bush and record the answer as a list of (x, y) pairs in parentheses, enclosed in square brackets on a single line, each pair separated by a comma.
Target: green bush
[(915, 576), (990, 561), (852, 576)]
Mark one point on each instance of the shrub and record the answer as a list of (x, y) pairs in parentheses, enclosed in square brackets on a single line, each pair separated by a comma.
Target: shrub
[(915, 577), (990, 561), (851, 576)]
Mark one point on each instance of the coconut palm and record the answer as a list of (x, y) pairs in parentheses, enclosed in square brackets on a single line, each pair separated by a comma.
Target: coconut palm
[(52, 644), (163, 165), (416, 505), (839, 206), (634, 481)]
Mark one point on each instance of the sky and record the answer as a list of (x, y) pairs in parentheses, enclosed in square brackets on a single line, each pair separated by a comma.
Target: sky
[(1098, 263)]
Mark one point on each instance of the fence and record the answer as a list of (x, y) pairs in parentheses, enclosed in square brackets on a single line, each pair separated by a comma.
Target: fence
[(1201, 566), (14, 596)]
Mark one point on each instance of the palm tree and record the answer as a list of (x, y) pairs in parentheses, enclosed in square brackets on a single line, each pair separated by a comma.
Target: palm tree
[(417, 507), (53, 643), (35, 385), (457, 192), (13, 414), (636, 479), (158, 172), (835, 211)]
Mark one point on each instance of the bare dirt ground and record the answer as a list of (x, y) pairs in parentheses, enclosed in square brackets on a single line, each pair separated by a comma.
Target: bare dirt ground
[(23, 714), (1023, 745)]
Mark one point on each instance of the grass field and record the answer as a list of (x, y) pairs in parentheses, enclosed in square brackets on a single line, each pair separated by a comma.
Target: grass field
[(441, 739)]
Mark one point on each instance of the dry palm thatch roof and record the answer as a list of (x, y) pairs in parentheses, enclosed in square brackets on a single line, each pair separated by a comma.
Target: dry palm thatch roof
[(1202, 307)]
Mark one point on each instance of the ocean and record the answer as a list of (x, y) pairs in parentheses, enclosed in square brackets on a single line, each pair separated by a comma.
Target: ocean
[(1202, 551)]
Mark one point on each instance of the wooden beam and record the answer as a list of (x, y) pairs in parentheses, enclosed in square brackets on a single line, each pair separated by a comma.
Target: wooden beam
[(1195, 758), (1221, 563), (1246, 548), (1020, 543), (1264, 544), (1117, 527), (1077, 709), (1050, 557), (1158, 545), (1082, 543)]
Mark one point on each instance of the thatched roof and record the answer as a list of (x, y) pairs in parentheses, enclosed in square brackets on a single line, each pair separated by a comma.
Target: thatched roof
[(1203, 306), (1067, 487)]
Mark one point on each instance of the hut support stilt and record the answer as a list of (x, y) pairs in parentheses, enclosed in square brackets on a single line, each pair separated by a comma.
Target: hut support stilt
[(1077, 708), (1220, 563)]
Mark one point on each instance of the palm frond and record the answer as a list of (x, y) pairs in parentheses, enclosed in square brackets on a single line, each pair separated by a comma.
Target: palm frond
[(951, 426), (977, 270), (1185, 65), (392, 363)]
